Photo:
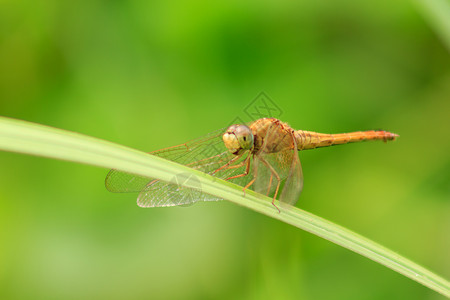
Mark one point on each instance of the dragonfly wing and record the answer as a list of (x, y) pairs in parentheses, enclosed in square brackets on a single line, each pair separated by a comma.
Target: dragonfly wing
[(294, 180), (264, 168), (187, 154), (286, 164), (121, 182), (162, 194), (185, 189), (265, 183), (206, 154)]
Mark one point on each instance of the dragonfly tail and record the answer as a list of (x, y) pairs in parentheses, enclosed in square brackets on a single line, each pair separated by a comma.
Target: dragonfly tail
[(311, 140)]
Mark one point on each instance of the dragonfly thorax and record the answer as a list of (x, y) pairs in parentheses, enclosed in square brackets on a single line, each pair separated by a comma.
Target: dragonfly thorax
[(238, 138)]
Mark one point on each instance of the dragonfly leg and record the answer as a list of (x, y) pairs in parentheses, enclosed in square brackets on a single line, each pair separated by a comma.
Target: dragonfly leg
[(245, 162), (248, 185), (255, 172), (278, 179), (270, 184), (242, 163), (227, 164)]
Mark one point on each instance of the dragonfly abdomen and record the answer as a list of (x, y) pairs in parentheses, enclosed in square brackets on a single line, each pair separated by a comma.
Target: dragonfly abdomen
[(310, 140)]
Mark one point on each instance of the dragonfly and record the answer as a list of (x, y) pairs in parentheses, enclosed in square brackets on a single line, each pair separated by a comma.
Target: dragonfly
[(261, 155)]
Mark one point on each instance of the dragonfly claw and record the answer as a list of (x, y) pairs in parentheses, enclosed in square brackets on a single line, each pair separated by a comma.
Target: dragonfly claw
[(273, 203)]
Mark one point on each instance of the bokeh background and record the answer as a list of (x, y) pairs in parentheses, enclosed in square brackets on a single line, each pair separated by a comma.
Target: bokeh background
[(151, 74)]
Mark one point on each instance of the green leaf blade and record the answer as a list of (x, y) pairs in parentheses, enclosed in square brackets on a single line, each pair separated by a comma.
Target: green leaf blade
[(34, 139)]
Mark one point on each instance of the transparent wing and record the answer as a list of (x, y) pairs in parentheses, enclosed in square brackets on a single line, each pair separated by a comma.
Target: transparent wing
[(285, 163), (161, 194), (293, 185), (187, 154), (206, 154)]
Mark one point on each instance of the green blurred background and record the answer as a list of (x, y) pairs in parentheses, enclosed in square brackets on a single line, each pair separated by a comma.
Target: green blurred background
[(151, 74)]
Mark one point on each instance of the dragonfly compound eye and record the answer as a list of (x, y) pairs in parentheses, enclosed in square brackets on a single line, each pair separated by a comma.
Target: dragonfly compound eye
[(238, 138), (245, 137)]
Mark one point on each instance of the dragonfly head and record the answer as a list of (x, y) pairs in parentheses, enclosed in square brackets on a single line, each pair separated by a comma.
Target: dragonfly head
[(238, 138)]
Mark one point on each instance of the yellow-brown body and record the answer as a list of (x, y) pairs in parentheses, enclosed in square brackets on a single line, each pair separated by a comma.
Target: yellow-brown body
[(278, 136)]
